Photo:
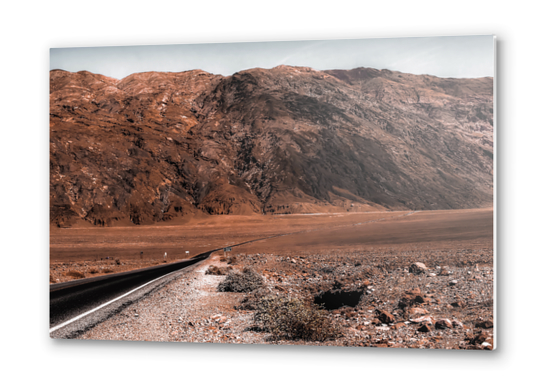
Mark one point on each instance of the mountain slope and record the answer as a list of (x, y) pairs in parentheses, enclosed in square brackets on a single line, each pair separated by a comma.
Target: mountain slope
[(158, 146)]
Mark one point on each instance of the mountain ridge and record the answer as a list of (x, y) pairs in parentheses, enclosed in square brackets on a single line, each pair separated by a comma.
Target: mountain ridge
[(159, 146)]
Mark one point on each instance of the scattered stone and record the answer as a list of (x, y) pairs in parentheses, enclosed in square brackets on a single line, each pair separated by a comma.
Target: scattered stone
[(443, 324), (397, 326), (425, 328), (423, 319), (417, 311), (386, 317), (410, 297), (484, 324), (453, 282), (457, 324), (417, 268), (479, 338)]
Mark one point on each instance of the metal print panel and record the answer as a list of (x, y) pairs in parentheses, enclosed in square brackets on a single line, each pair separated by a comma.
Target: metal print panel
[(313, 192)]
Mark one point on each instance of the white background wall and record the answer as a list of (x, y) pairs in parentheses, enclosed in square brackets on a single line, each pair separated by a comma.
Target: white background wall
[(29, 29)]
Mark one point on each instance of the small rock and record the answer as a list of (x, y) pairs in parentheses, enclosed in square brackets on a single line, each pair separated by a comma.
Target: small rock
[(425, 328), (453, 282), (443, 324), (487, 345), (484, 324), (457, 324), (417, 268), (417, 311), (386, 317), (423, 319), (397, 326), (479, 338)]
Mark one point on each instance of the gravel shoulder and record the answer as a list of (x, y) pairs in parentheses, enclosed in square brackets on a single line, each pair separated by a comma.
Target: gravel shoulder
[(188, 309)]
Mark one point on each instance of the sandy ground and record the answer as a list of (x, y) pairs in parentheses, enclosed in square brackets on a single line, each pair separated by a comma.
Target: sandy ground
[(87, 252), (453, 308)]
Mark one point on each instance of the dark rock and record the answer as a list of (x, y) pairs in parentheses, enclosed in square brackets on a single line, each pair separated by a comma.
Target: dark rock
[(484, 324), (386, 317), (337, 298), (425, 328)]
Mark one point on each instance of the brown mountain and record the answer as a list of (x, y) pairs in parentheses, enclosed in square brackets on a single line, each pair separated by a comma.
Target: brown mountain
[(159, 146)]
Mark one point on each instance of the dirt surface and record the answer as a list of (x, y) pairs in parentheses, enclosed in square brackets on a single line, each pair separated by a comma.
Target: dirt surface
[(89, 250), (423, 283)]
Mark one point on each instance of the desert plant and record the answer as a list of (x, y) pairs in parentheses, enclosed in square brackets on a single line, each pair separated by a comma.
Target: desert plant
[(232, 259), (94, 271), (75, 274), (245, 281), (218, 271), (293, 318)]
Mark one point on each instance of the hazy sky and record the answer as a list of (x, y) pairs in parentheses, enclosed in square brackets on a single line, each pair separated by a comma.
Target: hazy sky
[(463, 56)]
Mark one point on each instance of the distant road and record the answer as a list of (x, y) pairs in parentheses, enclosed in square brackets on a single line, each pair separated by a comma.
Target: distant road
[(82, 299), (77, 305)]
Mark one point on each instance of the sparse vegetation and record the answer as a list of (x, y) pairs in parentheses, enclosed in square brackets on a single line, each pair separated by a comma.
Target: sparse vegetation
[(293, 318), (245, 281), (75, 274), (218, 271)]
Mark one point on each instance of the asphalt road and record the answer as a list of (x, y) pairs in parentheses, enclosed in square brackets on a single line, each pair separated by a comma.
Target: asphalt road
[(72, 299)]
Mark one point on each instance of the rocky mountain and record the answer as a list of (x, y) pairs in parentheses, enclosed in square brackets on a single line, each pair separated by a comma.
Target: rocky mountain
[(162, 146)]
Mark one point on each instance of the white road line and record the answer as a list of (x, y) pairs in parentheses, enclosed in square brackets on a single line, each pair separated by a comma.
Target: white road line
[(103, 305)]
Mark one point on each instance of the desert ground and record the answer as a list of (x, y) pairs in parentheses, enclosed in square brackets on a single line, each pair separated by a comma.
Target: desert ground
[(445, 302), (89, 250)]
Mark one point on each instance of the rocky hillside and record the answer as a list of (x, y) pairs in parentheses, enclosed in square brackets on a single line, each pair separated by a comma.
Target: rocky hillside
[(162, 146)]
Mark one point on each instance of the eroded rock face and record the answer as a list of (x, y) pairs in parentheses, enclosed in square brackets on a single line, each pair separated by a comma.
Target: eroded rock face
[(159, 146)]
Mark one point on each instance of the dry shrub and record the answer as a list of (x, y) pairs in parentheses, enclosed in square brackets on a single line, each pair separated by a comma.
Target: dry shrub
[(232, 260), (117, 261), (94, 271), (292, 318), (107, 270), (251, 301), (51, 279), (245, 281), (75, 274), (218, 271)]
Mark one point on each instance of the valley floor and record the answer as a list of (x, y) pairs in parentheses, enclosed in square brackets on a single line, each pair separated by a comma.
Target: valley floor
[(449, 305)]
